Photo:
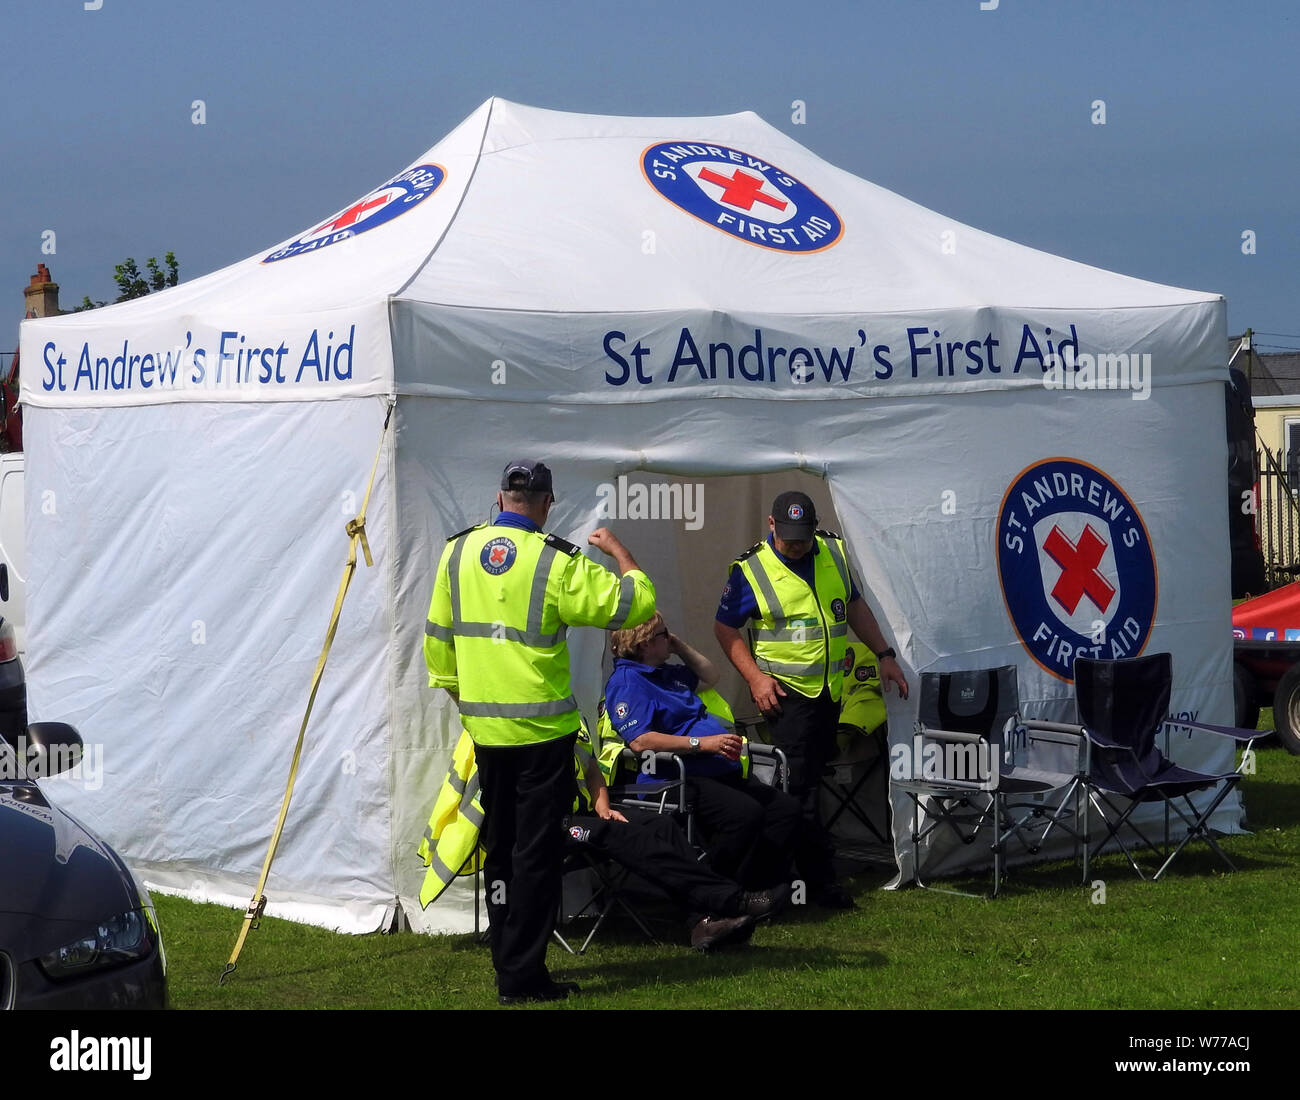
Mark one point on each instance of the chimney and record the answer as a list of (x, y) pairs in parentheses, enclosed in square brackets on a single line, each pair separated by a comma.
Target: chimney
[(42, 295)]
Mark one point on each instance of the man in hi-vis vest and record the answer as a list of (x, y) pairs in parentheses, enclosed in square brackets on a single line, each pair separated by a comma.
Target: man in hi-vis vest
[(505, 594), (799, 598)]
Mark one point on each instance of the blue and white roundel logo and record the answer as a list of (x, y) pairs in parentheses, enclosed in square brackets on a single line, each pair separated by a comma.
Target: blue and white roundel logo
[(620, 711), (742, 195), (497, 556), (837, 609), (382, 205), (796, 511), (1076, 566)]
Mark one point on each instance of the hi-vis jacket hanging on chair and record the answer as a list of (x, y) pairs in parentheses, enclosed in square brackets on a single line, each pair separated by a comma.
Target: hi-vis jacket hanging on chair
[(450, 845), (802, 635), (501, 604)]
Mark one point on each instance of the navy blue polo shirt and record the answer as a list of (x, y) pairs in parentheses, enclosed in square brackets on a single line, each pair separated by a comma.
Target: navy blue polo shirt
[(515, 519), (738, 604), (644, 699)]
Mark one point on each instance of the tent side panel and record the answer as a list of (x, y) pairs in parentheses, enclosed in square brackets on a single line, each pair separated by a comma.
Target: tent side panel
[(185, 560)]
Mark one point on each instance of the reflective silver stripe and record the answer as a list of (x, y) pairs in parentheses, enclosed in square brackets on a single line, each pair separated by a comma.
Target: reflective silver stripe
[(453, 576), (428, 837), (470, 810), (442, 633), (456, 782), (537, 596), (443, 873), (782, 668), (518, 710), (774, 608), (626, 594), (584, 757), (839, 630), (793, 634), (501, 632), (837, 556)]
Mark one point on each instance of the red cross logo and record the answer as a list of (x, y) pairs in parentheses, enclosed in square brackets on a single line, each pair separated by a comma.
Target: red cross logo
[(351, 214), (742, 189), (498, 555), (1079, 576)]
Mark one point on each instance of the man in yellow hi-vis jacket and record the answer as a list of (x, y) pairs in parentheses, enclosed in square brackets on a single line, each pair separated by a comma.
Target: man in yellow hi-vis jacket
[(504, 596), (797, 598)]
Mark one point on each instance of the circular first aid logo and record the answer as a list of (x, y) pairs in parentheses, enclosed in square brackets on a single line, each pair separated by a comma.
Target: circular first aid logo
[(498, 556), (865, 672), (742, 195), (796, 511), (837, 609), (849, 658), (620, 711), (1076, 566), (382, 205)]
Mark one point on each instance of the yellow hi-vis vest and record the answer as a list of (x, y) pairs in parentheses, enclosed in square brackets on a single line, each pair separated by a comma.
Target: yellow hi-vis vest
[(801, 636), (861, 704), (450, 844), (501, 604)]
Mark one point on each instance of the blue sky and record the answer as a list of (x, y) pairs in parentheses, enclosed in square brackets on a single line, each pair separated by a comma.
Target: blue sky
[(985, 116)]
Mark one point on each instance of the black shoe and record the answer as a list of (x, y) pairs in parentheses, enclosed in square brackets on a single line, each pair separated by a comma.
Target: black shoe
[(832, 895), (761, 904), (714, 932), (552, 991)]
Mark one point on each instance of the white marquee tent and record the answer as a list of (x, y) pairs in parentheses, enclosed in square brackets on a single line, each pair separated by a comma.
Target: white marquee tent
[(700, 300)]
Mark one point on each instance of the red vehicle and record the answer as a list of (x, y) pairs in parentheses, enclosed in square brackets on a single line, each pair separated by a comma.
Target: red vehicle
[(1266, 661)]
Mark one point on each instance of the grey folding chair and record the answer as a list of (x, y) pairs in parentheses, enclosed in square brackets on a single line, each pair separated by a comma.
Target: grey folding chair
[(979, 771)]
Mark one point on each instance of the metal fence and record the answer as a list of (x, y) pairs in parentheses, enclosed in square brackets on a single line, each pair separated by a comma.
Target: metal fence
[(1279, 517)]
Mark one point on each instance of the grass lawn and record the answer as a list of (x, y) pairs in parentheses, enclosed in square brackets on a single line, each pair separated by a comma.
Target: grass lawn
[(1200, 938)]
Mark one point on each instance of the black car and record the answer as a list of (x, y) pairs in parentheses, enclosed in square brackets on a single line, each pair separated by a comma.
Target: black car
[(77, 929)]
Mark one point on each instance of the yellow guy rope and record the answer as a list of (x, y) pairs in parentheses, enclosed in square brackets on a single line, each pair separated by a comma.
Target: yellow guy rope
[(356, 531)]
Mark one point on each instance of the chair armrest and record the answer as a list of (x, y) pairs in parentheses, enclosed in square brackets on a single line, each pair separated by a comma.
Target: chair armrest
[(1223, 731)]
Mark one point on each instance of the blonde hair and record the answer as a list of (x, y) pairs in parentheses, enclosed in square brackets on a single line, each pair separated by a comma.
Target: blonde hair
[(625, 643)]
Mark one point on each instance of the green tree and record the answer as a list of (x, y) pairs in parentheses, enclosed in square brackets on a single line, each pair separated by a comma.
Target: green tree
[(132, 283)]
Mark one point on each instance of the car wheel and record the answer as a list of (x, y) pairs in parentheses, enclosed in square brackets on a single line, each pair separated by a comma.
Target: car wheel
[(1245, 701), (1286, 710)]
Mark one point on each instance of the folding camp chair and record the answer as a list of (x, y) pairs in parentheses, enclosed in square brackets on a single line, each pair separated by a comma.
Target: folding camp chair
[(856, 780), (968, 777), (1122, 706)]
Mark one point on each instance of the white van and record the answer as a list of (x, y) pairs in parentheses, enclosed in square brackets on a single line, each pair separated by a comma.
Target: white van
[(13, 550)]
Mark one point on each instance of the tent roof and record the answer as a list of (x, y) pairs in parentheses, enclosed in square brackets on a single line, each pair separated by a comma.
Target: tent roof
[(552, 211)]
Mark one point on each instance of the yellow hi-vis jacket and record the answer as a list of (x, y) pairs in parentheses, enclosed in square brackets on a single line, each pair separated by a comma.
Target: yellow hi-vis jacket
[(801, 635), (502, 601), (450, 845), (861, 704)]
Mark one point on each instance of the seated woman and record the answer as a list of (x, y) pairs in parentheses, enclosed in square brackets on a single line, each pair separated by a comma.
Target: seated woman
[(749, 828)]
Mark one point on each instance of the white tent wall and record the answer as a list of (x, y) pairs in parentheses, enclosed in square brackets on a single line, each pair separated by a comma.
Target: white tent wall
[(180, 597)]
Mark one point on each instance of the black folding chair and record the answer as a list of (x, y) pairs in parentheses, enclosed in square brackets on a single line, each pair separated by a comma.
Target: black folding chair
[(1122, 706), (967, 777)]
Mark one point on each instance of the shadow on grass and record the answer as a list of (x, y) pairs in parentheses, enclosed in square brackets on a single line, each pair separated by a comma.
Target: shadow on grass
[(690, 968)]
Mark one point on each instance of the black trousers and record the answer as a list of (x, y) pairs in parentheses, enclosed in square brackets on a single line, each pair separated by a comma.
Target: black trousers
[(652, 846), (805, 732), (526, 791), (751, 830)]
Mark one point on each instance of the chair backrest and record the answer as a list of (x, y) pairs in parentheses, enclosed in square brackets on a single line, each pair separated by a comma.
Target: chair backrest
[(1125, 701), (977, 702)]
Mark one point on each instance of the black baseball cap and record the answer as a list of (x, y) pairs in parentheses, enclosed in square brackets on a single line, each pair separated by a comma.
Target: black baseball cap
[(529, 475), (795, 517)]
